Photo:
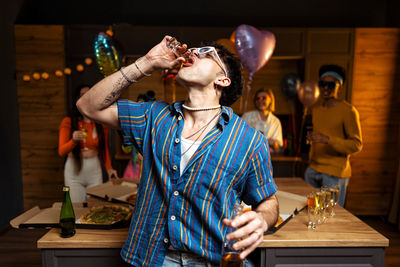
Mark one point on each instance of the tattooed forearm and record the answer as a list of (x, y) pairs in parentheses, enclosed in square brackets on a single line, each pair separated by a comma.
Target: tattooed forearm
[(118, 87)]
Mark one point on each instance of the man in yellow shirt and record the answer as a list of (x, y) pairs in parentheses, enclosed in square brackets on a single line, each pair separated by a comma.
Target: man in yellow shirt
[(336, 134)]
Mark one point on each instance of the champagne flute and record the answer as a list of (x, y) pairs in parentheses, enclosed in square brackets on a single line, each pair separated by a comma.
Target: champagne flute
[(312, 210), (85, 133), (334, 189), (320, 205), (328, 202)]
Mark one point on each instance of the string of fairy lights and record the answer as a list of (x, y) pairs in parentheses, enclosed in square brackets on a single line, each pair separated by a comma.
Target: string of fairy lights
[(107, 58), (67, 71)]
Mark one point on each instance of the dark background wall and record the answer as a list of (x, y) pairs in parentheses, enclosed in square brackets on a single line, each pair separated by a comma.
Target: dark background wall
[(310, 13), (10, 163)]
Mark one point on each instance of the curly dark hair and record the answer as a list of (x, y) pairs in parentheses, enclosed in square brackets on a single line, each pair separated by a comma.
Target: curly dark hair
[(148, 96), (335, 68), (232, 92)]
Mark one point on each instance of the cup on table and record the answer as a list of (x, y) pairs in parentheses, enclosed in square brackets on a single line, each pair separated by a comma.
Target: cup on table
[(312, 210), (328, 202), (334, 190), (320, 205)]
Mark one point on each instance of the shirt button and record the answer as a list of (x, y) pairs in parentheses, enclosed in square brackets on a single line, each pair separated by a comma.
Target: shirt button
[(177, 140), (173, 218), (179, 118), (176, 193), (166, 240), (174, 167)]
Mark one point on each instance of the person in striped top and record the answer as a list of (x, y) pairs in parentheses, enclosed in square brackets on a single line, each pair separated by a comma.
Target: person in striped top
[(199, 159)]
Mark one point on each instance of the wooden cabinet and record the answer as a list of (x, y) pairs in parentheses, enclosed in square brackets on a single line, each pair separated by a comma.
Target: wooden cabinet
[(330, 46), (330, 41), (290, 43)]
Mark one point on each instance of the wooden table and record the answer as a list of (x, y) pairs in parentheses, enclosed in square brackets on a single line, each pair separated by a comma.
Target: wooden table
[(342, 241)]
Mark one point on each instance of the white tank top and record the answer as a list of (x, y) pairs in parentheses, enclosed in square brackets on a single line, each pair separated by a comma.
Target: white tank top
[(185, 144)]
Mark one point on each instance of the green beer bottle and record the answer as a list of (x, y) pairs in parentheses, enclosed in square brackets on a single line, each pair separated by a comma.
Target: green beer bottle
[(67, 215)]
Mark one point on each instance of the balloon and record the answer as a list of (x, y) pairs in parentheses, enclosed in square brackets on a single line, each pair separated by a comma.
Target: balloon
[(254, 47), (107, 54), (290, 84), (308, 93), (228, 44)]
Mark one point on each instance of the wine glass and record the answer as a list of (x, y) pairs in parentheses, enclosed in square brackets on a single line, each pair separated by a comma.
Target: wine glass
[(328, 202), (85, 133), (312, 210), (320, 205), (334, 190)]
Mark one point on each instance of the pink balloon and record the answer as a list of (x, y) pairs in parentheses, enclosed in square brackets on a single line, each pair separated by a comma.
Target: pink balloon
[(254, 47), (308, 93)]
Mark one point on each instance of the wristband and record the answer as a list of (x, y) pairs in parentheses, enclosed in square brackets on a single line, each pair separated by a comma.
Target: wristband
[(145, 74), (126, 77)]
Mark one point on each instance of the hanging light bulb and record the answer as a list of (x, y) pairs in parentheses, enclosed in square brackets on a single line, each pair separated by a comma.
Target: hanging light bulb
[(58, 73), (45, 75), (67, 71), (36, 76), (88, 61), (80, 67), (26, 78)]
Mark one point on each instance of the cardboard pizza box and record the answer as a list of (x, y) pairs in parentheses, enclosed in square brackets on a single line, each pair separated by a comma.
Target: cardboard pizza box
[(49, 217), (44, 218), (289, 203), (113, 192), (289, 206)]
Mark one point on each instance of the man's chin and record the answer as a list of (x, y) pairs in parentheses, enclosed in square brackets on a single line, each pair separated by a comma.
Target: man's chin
[(179, 79)]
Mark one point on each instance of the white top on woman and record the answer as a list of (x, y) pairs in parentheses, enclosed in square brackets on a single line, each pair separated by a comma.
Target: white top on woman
[(271, 128)]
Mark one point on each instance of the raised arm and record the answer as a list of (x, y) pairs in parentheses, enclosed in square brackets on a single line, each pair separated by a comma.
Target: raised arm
[(97, 103)]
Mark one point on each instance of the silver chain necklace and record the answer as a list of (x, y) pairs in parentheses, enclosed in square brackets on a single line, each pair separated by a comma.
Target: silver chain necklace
[(202, 129)]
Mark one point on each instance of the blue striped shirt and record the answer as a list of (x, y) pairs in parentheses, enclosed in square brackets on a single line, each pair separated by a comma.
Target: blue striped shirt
[(231, 164)]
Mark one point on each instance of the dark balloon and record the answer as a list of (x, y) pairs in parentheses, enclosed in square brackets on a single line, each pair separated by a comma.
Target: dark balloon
[(108, 55), (308, 93), (290, 84)]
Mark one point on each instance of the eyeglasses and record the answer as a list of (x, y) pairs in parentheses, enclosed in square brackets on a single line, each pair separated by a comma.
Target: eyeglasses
[(262, 98), (205, 50), (329, 85)]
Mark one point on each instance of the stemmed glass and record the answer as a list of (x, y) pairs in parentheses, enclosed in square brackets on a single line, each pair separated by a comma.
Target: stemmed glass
[(312, 211), (85, 133), (320, 205), (334, 190)]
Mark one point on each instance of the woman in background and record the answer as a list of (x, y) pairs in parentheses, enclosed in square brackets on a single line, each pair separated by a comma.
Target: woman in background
[(84, 143), (263, 120)]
